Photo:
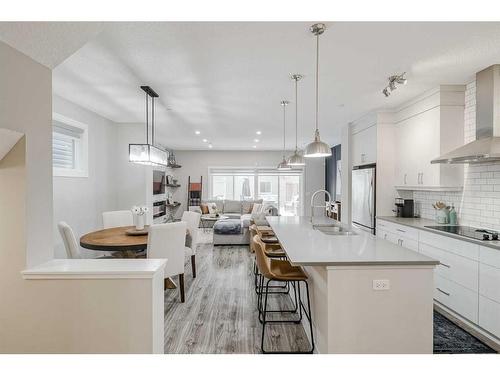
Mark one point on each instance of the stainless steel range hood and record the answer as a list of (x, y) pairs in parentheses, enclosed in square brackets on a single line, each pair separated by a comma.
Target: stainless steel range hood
[(486, 147)]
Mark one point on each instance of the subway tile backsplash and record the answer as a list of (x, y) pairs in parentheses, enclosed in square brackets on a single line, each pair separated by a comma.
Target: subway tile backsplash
[(478, 204)]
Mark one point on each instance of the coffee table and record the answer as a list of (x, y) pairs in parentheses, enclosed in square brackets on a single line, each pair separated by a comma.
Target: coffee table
[(207, 221)]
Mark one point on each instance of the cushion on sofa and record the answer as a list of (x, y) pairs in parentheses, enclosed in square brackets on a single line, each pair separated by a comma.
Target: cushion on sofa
[(232, 207), (259, 219), (257, 207), (228, 226), (245, 220), (247, 206), (218, 203)]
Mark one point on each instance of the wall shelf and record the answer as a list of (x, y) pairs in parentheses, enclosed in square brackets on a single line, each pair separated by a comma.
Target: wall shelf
[(175, 204), (173, 185), (428, 188), (173, 166)]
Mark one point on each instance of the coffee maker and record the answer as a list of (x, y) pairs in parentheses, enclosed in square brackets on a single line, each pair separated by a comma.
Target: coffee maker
[(404, 207)]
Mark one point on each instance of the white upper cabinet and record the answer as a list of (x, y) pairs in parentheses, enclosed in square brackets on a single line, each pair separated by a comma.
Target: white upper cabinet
[(425, 128), (364, 141)]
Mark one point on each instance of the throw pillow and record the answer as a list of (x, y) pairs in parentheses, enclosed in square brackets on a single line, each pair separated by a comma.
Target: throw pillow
[(204, 209), (211, 208), (246, 207), (257, 208)]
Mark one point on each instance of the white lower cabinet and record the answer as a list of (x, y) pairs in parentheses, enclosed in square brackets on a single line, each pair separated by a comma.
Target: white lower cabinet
[(489, 315), (467, 280), (453, 267), (456, 297)]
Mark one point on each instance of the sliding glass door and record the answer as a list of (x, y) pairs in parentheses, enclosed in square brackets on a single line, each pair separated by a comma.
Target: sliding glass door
[(280, 189)]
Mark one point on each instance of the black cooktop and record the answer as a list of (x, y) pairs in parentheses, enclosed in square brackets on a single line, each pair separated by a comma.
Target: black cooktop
[(460, 230)]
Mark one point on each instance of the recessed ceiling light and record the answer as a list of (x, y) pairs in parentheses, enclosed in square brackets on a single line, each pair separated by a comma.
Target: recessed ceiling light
[(197, 132), (205, 140), (210, 145), (256, 140), (258, 132)]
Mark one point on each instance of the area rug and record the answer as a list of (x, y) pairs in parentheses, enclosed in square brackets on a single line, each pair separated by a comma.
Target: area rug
[(451, 339)]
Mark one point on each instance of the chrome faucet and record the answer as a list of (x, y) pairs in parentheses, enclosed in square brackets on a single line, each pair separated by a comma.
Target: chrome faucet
[(326, 206)]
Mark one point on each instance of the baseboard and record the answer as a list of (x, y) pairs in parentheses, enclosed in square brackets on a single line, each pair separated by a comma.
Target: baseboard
[(468, 326)]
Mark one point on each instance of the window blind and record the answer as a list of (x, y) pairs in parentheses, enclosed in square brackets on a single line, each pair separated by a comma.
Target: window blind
[(64, 145)]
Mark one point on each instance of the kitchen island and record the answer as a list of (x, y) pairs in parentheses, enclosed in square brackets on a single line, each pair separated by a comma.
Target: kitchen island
[(367, 294)]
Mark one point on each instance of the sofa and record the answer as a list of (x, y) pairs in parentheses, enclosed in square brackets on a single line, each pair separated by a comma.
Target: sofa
[(240, 213)]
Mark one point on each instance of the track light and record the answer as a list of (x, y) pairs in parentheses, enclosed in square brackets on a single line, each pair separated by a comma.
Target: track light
[(397, 79)]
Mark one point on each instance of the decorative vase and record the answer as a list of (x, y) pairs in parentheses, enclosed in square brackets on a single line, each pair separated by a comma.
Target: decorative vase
[(140, 222), (442, 216)]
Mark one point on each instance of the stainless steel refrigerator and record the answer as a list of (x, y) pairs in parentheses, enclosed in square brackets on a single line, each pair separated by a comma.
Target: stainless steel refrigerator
[(363, 197)]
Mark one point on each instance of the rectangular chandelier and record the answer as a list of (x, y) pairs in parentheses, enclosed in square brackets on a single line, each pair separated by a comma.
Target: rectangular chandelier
[(143, 153), (147, 153)]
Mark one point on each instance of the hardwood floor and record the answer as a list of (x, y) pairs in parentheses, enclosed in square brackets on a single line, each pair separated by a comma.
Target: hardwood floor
[(220, 312)]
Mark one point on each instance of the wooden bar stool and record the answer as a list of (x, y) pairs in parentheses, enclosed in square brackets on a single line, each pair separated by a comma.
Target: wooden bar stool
[(271, 250), (281, 270)]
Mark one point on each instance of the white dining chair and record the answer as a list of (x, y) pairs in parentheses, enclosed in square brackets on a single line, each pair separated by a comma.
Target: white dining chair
[(112, 219), (192, 220), (166, 241), (69, 240)]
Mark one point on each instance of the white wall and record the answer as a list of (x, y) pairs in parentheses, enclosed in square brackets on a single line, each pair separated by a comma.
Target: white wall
[(79, 201), (25, 106), (25, 202), (134, 181), (196, 164)]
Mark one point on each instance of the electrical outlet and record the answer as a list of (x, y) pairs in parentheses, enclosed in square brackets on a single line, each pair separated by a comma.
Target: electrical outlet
[(381, 285)]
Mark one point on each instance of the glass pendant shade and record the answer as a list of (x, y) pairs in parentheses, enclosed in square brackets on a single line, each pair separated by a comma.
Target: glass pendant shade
[(283, 166), (296, 159), (317, 149), (147, 154)]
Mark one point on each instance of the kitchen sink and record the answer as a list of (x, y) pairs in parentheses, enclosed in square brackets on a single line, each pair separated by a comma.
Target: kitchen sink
[(333, 230)]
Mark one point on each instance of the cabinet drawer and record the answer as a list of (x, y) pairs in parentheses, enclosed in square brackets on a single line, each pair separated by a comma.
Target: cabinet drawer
[(408, 243), (398, 240), (490, 256), (489, 315), (453, 267), (456, 297), (489, 281), (400, 230), (462, 248)]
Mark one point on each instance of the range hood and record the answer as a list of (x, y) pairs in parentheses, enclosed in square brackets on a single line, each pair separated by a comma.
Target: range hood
[(486, 147)]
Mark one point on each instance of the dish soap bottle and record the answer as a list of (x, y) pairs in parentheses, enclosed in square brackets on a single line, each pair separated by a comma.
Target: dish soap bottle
[(453, 215)]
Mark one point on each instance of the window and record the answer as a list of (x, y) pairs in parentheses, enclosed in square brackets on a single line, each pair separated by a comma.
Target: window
[(69, 147), (281, 189)]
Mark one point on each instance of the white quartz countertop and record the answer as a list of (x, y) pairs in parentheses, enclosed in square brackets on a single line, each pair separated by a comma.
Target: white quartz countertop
[(306, 246), (422, 224), (96, 269)]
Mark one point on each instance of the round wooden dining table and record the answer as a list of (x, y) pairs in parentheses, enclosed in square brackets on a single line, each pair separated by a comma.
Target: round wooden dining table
[(115, 240)]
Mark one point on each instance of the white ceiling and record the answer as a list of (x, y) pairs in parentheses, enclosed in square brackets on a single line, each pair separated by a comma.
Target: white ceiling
[(227, 79)]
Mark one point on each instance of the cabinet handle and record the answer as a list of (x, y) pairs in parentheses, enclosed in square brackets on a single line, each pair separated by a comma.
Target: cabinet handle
[(363, 158), (442, 291), (444, 265), (405, 179), (401, 242), (385, 236), (422, 178), (400, 230), (418, 178)]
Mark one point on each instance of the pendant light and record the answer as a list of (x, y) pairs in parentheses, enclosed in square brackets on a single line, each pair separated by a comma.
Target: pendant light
[(283, 166), (296, 159), (147, 153), (317, 149)]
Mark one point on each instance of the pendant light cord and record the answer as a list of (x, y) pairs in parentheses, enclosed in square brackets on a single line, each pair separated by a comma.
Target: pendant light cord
[(317, 79), (153, 120), (147, 118), (296, 106), (284, 127)]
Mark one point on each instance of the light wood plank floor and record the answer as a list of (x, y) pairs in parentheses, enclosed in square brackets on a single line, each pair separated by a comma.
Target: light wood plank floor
[(220, 312)]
